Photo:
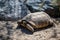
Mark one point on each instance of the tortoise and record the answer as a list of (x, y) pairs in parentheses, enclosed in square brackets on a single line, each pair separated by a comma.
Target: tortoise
[(36, 20)]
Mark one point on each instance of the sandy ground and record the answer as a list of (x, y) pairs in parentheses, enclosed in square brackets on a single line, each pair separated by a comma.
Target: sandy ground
[(8, 31)]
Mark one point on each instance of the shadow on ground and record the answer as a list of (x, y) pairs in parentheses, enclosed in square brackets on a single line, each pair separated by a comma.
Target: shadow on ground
[(24, 30)]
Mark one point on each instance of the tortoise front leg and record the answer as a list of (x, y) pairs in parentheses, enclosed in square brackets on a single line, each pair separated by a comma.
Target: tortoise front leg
[(29, 27), (26, 25)]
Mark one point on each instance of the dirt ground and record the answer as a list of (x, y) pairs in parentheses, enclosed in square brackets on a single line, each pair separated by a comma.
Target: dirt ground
[(8, 31)]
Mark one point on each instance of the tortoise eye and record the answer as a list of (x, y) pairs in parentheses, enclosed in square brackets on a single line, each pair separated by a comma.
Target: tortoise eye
[(24, 22)]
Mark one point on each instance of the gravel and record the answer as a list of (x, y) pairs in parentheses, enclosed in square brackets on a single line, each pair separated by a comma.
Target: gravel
[(9, 31)]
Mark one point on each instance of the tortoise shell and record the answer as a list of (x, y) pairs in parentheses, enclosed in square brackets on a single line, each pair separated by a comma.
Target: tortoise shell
[(35, 20)]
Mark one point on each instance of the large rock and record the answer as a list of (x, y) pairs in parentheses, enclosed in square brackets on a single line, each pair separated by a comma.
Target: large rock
[(17, 9)]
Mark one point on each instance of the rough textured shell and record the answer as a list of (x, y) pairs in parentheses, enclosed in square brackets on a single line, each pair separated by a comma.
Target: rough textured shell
[(38, 19)]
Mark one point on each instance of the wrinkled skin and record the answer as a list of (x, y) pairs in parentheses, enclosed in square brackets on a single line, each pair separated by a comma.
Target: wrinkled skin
[(35, 20)]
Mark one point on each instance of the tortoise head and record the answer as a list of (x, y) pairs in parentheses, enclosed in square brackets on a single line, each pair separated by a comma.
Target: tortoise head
[(21, 22)]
